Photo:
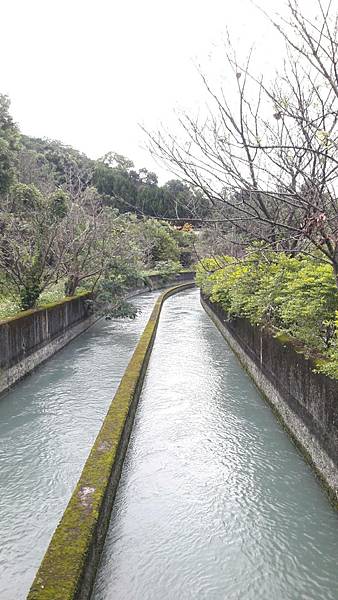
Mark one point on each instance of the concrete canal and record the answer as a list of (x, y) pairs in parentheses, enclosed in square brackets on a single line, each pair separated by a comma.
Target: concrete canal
[(214, 501), (48, 423)]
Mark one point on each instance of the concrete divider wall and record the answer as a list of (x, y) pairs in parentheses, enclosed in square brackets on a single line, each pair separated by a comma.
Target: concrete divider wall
[(306, 402), (68, 569)]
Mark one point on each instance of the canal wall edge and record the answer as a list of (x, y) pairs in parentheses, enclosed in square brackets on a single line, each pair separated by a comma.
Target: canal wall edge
[(160, 282), (68, 569), (33, 336), (317, 449)]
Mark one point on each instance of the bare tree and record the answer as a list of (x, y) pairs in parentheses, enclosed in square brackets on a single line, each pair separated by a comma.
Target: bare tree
[(84, 244), (265, 155), (30, 224)]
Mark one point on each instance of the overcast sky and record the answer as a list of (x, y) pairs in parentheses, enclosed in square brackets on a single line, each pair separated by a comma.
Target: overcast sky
[(87, 72)]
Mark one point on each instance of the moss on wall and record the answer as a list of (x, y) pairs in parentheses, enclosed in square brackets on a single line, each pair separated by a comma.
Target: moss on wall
[(68, 569), (40, 309)]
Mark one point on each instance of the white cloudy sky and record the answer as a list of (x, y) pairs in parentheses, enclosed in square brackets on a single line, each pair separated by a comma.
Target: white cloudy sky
[(87, 72)]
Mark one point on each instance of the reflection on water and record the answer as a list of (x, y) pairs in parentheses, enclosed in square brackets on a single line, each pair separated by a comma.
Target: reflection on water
[(214, 502), (48, 423)]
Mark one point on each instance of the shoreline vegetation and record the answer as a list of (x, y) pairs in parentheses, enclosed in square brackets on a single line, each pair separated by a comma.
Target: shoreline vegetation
[(10, 309)]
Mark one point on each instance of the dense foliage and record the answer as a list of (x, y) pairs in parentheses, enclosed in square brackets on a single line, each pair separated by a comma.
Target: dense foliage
[(9, 138), (296, 295), (66, 219), (51, 163)]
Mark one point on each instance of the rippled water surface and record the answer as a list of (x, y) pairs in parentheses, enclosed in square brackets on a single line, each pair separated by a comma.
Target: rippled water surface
[(48, 423), (214, 502)]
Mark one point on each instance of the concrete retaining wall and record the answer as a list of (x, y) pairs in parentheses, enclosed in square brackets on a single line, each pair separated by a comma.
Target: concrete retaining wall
[(33, 336), (68, 569), (305, 402), (159, 282)]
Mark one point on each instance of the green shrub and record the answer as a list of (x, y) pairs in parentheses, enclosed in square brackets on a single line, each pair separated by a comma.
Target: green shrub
[(295, 295)]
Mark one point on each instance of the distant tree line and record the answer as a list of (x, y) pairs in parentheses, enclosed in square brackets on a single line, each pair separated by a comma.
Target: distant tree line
[(49, 162)]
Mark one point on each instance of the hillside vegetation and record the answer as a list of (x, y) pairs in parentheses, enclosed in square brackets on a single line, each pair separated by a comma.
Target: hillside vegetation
[(69, 223)]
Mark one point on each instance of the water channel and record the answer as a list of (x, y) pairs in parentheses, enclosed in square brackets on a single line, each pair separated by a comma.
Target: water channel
[(215, 502), (48, 423)]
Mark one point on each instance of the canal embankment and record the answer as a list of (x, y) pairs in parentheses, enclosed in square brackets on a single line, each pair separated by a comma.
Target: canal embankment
[(157, 281), (214, 500), (306, 402), (33, 336), (69, 565)]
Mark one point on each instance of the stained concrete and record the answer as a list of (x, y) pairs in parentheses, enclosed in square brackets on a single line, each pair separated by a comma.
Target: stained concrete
[(305, 402)]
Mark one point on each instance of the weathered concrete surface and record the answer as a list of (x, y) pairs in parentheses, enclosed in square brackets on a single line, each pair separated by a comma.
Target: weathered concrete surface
[(305, 402), (32, 337), (69, 565), (158, 282)]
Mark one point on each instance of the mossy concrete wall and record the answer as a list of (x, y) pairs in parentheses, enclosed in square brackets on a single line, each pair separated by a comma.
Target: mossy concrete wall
[(305, 402), (68, 569), (31, 337)]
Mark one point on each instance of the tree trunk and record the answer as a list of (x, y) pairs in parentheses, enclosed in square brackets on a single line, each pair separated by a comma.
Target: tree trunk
[(71, 285), (335, 269)]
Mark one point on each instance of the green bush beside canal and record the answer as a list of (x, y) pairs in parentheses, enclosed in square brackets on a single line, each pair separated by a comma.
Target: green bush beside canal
[(295, 296)]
